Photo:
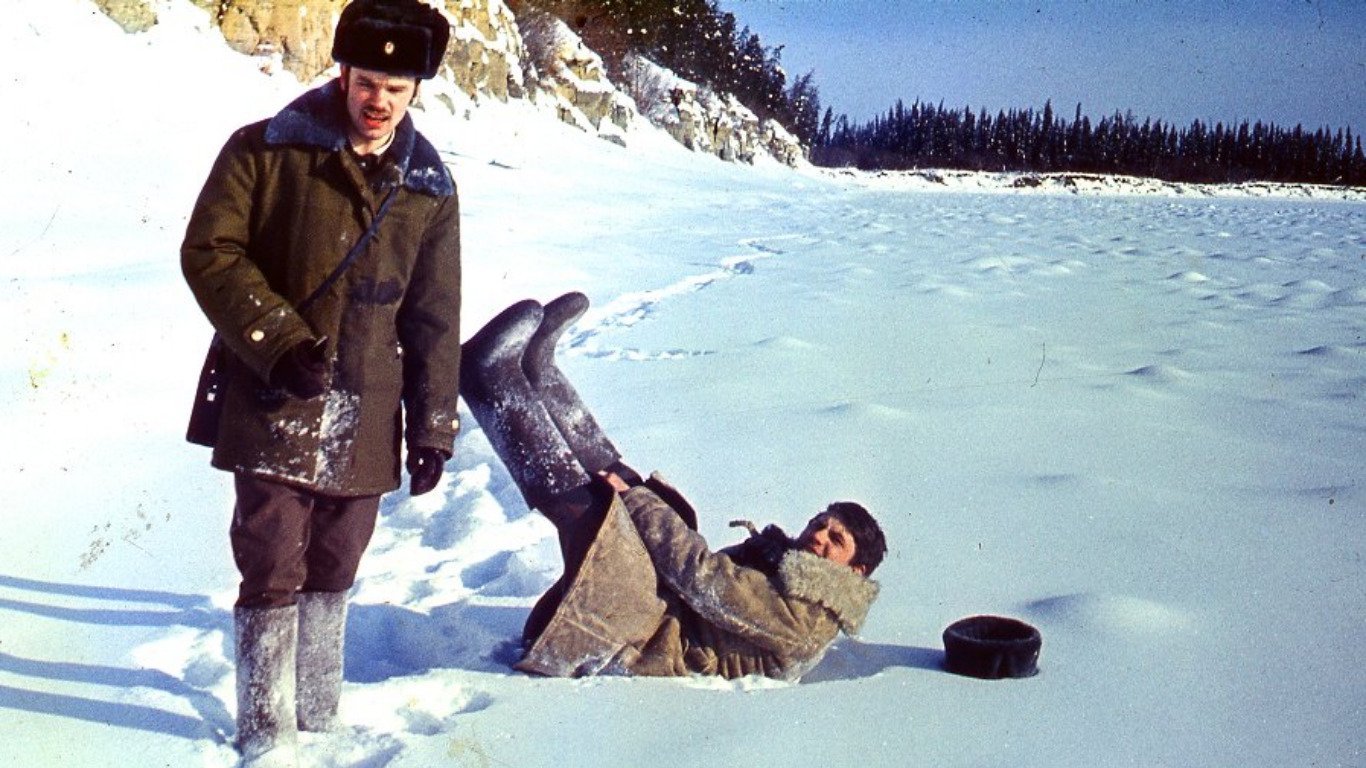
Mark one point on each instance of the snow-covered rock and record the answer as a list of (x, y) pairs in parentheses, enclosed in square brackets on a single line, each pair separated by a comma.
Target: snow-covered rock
[(496, 55), (705, 121), (571, 79), (780, 143), (297, 33), (486, 49), (132, 15)]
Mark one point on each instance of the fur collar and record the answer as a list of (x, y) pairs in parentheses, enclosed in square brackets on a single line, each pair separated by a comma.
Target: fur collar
[(318, 119), (834, 586)]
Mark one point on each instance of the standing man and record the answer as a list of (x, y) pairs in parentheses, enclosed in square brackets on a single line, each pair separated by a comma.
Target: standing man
[(325, 251)]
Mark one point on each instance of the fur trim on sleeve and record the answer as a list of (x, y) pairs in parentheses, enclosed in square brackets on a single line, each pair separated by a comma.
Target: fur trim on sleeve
[(847, 594)]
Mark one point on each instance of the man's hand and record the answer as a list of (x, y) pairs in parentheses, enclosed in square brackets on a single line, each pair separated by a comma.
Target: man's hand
[(425, 466), (762, 550), (302, 371), (614, 480), (772, 544)]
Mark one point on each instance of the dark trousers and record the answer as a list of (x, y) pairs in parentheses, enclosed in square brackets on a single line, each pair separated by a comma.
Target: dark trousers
[(286, 540)]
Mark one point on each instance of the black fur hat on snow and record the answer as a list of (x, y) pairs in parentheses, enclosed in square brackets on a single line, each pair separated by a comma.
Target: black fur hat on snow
[(398, 37)]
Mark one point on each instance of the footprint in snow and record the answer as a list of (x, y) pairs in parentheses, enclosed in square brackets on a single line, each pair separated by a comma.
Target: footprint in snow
[(787, 343), (643, 356), (1349, 297), (1109, 614), (423, 706), (1159, 374), (506, 574), (1335, 351), (865, 412), (1188, 277), (761, 248), (632, 309)]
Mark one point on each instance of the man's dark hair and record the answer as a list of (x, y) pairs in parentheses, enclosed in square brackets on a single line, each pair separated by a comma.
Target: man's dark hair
[(869, 543)]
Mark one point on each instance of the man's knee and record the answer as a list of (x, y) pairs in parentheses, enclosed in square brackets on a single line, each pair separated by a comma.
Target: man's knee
[(341, 531), (272, 572), (269, 534)]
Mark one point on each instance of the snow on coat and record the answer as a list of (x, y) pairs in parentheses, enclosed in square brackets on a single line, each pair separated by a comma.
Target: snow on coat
[(652, 599), (283, 205)]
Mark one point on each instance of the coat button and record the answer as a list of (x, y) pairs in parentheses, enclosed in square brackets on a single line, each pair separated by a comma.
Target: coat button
[(258, 335)]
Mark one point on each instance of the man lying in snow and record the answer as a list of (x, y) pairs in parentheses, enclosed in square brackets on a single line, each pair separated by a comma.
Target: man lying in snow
[(642, 593)]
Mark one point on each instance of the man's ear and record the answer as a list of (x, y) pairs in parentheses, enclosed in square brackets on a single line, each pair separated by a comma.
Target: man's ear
[(345, 79), (860, 569)]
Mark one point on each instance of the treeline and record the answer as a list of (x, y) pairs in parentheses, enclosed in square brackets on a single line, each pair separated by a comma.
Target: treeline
[(699, 42), (704, 44), (925, 135)]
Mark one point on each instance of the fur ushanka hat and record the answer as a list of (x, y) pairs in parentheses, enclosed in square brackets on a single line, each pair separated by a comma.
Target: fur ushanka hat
[(398, 37)]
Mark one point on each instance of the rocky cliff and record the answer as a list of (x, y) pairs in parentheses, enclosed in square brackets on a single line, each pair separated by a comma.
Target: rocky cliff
[(705, 121), (572, 79), (495, 55)]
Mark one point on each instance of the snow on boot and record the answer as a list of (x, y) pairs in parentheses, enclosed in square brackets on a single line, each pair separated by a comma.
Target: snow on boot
[(503, 402), (581, 431), (267, 734), (322, 630)]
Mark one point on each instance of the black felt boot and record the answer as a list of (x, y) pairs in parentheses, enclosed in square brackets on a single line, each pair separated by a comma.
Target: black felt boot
[(581, 431), (496, 389)]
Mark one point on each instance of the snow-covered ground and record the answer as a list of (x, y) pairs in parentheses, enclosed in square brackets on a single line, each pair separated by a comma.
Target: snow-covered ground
[(1135, 421), (1086, 184)]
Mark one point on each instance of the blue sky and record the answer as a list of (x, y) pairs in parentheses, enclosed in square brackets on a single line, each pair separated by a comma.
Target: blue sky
[(1284, 61)]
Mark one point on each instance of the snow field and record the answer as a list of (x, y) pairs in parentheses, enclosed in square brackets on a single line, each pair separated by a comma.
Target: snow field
[(1132, 420)]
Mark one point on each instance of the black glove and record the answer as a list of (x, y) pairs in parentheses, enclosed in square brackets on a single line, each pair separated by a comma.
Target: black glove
[(772, 544), (425, 466), (302, 371), (762, 551)]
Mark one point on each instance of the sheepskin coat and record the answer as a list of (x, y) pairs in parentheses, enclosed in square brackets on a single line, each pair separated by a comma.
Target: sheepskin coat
[(283, 205), (652, 599)]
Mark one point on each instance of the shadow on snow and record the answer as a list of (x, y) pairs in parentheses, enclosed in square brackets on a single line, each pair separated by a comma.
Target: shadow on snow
[(194, 611), (851, 659)]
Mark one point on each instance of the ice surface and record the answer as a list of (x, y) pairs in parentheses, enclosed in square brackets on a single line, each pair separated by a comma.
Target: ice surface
[(1128, 413)]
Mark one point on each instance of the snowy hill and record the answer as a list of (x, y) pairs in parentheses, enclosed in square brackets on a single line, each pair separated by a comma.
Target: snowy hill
[(1133, 420)]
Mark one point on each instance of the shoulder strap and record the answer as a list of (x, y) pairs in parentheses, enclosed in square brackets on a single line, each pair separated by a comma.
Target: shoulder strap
[(351, 255)]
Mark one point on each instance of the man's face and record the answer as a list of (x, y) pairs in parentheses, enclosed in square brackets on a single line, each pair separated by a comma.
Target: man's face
[(375, 103), (825, 536)]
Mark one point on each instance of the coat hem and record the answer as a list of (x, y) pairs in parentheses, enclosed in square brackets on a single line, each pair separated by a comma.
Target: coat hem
[(303, 484)]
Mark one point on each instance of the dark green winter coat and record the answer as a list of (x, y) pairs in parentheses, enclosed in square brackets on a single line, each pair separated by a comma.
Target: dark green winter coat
[(283, 205), (652, 599)]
